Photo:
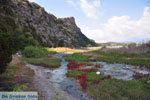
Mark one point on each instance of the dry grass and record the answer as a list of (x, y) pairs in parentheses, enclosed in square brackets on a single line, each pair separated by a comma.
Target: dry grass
[(67, 50)]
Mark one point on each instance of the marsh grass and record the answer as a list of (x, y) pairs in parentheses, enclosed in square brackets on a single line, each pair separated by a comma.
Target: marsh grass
[(34, 61), (52, 62), (111, 57), (78, 57), (132, 61), (49, 62), (74, 73), (91, 76), (120, 89)]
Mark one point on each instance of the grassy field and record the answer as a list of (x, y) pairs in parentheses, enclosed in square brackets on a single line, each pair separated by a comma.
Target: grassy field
[(78, 57), (46, 62), (114, 89), (116, 57), (111, 57), (132, 61)]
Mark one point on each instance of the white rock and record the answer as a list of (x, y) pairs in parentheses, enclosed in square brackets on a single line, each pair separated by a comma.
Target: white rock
[(148, 81), (98, 73)]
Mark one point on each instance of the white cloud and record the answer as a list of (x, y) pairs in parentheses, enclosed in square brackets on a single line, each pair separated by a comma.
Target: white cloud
[(121, 28), (96, 3), (91, 10), (71, 2)]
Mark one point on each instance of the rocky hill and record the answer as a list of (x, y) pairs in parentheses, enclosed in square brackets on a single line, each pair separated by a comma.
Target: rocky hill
[(47, 29)]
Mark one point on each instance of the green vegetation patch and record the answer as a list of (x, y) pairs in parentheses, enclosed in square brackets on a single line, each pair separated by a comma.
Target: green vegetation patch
[(34, 61), (20, 88), (116, 57), (93, 76), (46, 62), (74, 73), (120, 89), (34, 52), (78, 57), (134, 61), (115, 54), (55, 62), (90, 75)]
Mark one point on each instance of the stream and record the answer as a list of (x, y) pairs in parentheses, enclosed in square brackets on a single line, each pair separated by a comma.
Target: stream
[(121, 71), (54, 83)]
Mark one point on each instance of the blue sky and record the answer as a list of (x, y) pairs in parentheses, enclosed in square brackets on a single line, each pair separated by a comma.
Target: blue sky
[(105, 20)]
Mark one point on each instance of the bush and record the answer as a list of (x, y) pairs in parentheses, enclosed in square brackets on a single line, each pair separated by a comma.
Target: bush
[(12, 39), (20, 40), (5, 47), (34, 52)]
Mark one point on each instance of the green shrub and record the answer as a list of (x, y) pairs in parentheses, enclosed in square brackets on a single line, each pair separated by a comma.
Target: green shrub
[(20, 40), (12, 39), (34, 52), (6, 47)]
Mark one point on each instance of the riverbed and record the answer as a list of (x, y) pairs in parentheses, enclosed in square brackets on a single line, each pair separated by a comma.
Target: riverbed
[(55, 84)]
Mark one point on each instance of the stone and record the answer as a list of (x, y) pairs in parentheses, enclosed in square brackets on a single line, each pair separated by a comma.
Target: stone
[(98, 73)]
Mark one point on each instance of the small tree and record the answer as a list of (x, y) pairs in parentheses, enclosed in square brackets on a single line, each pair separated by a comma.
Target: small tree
[(11, 40), (5, 47)]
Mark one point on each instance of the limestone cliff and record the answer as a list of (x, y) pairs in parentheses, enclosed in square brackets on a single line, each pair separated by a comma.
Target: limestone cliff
[(47, 29)]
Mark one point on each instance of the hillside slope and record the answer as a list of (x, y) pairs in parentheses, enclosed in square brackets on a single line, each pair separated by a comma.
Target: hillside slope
[(47, 29)]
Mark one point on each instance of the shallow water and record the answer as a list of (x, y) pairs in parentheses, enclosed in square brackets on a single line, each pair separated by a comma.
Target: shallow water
[(67, 84), (120, 71), (57, 79)]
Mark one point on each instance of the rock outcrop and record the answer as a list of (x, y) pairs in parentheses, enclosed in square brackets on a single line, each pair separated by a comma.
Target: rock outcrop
[(47, 29)]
